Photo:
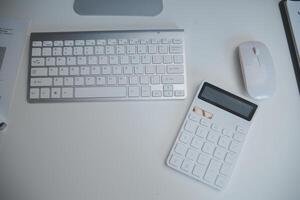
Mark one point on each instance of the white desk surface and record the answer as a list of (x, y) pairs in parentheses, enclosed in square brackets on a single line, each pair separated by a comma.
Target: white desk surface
[(117, 150)]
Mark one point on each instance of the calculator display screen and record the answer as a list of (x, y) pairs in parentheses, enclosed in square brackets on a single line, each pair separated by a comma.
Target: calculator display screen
[(227, 101)]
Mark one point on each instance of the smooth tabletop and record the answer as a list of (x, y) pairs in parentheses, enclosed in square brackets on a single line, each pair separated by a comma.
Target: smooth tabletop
[(117, 150)]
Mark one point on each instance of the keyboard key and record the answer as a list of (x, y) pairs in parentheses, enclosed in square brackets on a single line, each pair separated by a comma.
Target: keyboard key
[(55, 92), (178, 59), (175, 69), (181, 149), (98, 92), (168, 93), (36, 51), (78, 51), (176, 161), (34, 93), (57, 51), (60, 61), (155, 80), (45, 93), (57, 81), (150, 69), (63, 71), (67, 92), (67, 51), (74, 71), (160, 69), (122, 80), (95, 70), (179, 93), (47, 43), (50, 61), (68, 81), (111, 80), (37, 61), (36, 43), (69, 42), (100, 80), (168, 59), (90, 80), (39, 82), (39, 72), (187, 166), (176, 49), (79, 42), (156, 93), (133, 91), (146, 91)]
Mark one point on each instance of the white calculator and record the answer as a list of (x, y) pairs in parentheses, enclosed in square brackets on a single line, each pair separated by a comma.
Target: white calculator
[(211, 136)]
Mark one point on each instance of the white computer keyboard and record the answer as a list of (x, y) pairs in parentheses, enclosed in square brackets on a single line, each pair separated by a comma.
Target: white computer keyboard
[(106, 65), (211, 136)]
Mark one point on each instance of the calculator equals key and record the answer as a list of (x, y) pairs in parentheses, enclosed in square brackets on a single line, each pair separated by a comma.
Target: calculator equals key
[(212, 135)]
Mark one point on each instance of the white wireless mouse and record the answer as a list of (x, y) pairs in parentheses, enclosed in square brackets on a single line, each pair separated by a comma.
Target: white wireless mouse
[(257, 69)]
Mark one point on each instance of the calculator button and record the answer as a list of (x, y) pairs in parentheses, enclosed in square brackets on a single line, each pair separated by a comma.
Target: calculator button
[(227, 132), (213, 136), (187, 166), (199, 170), (192, 155), (205, 122), (220, 153), (215, 127), (230, 157), (186, 137), (210, 176), (224, 141), (235, 146), (208, 148), (197, 143), (225, 169), (194, 117), (240, 129), (191, 126), (239, 137), (202, 132), (176, 161), (221, 181), (180, 149), (203, 159)]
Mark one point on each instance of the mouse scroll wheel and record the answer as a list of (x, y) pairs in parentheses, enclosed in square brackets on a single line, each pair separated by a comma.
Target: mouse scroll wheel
[(255, 50)]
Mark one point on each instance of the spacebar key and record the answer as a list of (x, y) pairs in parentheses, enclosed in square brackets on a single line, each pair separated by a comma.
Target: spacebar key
[(105, 92)]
